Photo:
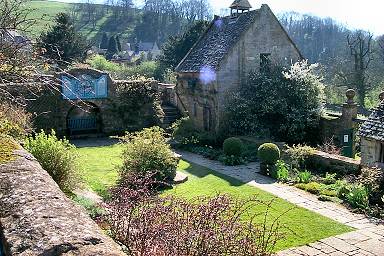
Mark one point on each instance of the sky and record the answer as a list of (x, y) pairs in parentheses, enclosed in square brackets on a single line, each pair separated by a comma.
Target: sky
[(367, 14)]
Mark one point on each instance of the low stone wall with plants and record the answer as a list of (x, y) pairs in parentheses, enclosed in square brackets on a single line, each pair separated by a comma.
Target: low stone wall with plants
[(36, 218), (324, 162)]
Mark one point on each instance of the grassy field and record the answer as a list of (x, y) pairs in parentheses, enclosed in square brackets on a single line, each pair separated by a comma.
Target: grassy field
[(45, 11), (99, 165)]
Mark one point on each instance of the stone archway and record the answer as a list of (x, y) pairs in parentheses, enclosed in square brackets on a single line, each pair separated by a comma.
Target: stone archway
[(84, 118)]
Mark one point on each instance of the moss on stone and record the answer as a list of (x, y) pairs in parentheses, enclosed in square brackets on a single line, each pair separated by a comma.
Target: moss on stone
[(7, 146)]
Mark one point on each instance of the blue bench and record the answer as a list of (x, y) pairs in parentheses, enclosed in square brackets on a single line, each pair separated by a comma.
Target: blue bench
[(82, 124)]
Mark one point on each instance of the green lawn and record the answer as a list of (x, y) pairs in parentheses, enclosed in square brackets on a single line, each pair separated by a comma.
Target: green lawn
[(100, 172), (99, 165)]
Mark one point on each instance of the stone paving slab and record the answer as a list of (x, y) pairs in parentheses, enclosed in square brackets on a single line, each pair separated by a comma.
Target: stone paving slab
[(368, 239)]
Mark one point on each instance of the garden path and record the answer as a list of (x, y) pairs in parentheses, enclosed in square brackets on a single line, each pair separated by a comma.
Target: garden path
[(368, 239)]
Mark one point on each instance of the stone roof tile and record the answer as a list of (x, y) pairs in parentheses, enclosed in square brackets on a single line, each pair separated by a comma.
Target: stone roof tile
[(218, 40), (373, 128)]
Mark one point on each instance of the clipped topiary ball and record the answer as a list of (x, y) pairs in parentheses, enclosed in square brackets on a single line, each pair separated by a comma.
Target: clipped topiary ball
[(233, 147), (269, 153)]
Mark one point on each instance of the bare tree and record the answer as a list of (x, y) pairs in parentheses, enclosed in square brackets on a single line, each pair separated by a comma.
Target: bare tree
[(380, 42), (361, 50), (21, 72)]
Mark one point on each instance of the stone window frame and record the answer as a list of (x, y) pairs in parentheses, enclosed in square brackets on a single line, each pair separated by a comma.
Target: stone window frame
[(381, 157), (265, 62), (195, 109)]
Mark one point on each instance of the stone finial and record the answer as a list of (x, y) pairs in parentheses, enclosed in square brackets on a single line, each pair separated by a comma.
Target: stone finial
[(381, 96), (350, 96)]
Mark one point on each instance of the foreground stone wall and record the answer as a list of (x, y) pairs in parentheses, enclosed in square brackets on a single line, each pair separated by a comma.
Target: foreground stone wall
[(36, 218)]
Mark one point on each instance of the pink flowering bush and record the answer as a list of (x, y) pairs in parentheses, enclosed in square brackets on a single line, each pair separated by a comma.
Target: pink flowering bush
[(149, 224)]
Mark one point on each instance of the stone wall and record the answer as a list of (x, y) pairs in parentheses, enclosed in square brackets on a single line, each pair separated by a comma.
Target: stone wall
[(370, 151), (36, 218), (324, 162), (198, 99)]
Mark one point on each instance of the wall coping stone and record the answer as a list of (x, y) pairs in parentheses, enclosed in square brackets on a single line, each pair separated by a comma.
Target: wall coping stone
[(36, 217), (337, 158)]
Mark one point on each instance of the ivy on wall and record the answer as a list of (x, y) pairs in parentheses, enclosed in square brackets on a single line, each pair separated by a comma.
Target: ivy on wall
[(136, 104)]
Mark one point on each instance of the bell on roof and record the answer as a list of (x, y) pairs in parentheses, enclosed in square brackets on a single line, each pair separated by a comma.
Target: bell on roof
[(240, 5)]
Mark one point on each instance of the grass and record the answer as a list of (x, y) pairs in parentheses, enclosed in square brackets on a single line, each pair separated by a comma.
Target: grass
[(305, 226), (44, 12), (99, 165)]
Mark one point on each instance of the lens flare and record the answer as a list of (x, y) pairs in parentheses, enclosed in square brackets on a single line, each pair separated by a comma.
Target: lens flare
[(218, 23), (207, 75)]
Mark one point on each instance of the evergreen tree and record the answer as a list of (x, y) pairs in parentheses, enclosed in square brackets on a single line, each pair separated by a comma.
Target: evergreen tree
[(118, 43), (112, 47), (104, 41), (175, 49), (62, 43)]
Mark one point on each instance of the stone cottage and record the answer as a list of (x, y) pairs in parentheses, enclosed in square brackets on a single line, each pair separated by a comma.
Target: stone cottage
[(222, 58), (372, 137)]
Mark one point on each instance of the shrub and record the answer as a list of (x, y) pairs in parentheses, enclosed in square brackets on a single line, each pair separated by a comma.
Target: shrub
[(325, 198), (281, 172), (297, 155), (342, 188), (7, 148), (328, 192), (101, 63), (146, 69), (135, 105), (313, 187), (269, 153), (185, 132), (358, 196), (57, 156), (232, 160), (206, 151), (162, 225), (373, 180), (330, 178), (14, 121), (288, 105), (304, 177), (92, 209), (233, 147), (146, 152)]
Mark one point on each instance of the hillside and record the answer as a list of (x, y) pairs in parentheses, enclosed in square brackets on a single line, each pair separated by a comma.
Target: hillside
[(44, 12), (101, 20)]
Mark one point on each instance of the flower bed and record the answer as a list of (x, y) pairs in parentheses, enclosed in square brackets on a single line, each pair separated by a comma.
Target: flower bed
[(332, 178)]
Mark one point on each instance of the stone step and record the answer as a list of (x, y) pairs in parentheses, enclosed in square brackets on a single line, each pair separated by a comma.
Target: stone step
[(171, 115)]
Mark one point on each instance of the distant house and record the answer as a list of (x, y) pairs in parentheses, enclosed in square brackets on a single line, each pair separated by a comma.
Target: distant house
[(223, 57), (148, 48), (372, 137)]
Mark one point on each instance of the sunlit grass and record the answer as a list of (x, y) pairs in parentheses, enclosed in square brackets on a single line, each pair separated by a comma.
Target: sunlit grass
[(99, 165)]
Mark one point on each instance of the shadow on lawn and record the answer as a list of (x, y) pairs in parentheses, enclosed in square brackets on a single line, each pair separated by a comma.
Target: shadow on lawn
[(94, 142), (201, 172)]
